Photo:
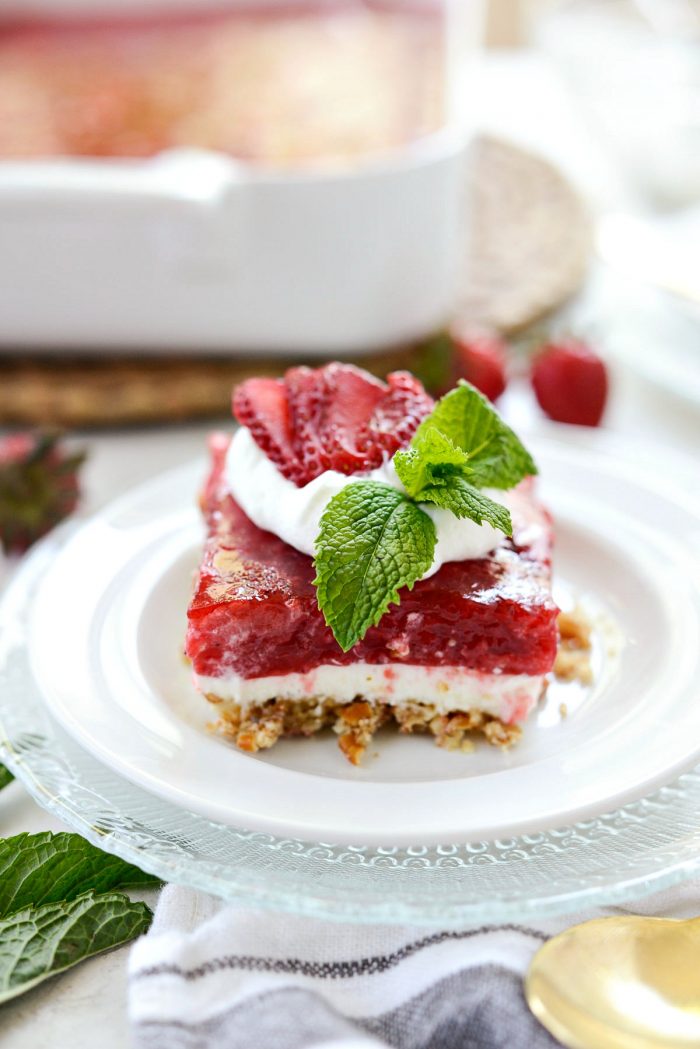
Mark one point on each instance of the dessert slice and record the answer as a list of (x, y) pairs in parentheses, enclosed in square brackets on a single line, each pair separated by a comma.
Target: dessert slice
[(466, 647)]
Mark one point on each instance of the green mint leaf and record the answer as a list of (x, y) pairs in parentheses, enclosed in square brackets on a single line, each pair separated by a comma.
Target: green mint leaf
[(373, 541), (464, 500), (5, 776), (496, 457), (431, 459), (37, 869), (38, 942)]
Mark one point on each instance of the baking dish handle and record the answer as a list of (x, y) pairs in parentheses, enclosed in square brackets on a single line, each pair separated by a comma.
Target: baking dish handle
[(180, 176), (193, 202)]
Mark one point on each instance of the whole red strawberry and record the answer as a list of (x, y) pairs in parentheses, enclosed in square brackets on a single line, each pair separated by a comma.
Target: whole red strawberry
[(479, 356), (38, 487), (570, 382)]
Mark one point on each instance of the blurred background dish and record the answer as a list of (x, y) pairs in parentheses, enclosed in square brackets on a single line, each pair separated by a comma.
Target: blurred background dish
[(267, 176), (527, 252)]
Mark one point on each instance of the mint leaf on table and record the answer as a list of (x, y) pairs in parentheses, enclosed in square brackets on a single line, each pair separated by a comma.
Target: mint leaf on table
[(496, 458), (57, 906), (5, 776), (38, 942), (46, 868), (373, 541), (464, 500)]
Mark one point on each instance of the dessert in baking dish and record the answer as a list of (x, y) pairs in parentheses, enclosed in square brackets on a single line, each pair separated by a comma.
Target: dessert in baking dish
[(281, 85), (372, 557)]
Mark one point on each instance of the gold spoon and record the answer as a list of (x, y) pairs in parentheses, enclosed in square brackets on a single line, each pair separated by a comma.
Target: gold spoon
[(620, 983)]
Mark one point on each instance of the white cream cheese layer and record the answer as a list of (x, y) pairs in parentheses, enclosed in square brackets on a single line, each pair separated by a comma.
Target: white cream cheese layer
[(274, 503), (509, 697)]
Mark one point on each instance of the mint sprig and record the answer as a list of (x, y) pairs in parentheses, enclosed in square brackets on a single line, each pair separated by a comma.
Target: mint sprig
[(496, 458), (374, 539), (465, 500), (464, 423), (430, 459), (463, 446)]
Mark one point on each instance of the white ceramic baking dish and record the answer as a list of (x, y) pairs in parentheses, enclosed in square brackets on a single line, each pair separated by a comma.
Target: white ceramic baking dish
[(192, 250)]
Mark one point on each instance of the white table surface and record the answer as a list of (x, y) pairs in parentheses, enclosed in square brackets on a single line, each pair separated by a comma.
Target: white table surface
[(87, 1007)]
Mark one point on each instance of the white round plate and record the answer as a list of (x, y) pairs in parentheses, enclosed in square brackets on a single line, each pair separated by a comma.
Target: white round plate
[(105, 645)]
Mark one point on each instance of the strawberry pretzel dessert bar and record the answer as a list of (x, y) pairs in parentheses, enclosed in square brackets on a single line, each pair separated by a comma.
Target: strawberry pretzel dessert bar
[(372, 557)]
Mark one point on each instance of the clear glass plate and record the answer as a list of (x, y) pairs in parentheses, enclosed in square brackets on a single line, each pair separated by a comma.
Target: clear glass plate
[(643, 846)]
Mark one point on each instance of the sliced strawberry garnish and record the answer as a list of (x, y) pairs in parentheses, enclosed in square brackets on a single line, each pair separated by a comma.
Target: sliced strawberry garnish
[(333, 418), (399, 413), (352, 399), (261, 405), (307, 397)]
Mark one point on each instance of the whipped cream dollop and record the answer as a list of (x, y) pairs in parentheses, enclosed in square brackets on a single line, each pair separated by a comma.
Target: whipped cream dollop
[(275, 504)]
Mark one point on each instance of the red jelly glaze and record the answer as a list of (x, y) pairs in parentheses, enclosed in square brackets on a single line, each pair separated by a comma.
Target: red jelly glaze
[(254, 610)]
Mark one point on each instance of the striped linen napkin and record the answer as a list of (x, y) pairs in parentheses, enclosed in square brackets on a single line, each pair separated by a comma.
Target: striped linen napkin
[(216, 976), (211, 975)]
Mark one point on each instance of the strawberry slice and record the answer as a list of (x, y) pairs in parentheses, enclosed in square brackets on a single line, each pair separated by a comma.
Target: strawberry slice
[(399, 414), (261, 405), (333, 418), (307, 396), (353, 396)]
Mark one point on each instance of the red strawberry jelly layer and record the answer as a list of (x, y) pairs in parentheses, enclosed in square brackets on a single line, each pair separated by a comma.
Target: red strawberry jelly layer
[(254, 610)]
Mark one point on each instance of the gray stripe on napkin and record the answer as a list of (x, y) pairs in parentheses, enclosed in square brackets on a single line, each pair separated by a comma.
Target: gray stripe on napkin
[(292, 1018), (342, 970), (477, 1008)]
